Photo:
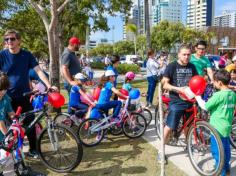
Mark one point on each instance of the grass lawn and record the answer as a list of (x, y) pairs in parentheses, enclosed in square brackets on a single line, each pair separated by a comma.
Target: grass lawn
[(117, 156)]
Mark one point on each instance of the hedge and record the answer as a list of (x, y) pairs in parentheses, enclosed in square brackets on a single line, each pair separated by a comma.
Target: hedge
[(97, 65), (124, 68)]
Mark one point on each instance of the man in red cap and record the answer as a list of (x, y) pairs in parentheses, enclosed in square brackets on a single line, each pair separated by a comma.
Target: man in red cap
[(70, 63)]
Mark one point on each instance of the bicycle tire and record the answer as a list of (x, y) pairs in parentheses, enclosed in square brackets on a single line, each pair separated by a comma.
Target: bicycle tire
[(233, 135), (116, 130), (157, 122), (204, 132), (132, 131), (70, 150), (148, 115), (63, 118), (85, 128)]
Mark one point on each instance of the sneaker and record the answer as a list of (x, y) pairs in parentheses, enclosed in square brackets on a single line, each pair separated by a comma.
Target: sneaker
[(159, 158), (33, 154)]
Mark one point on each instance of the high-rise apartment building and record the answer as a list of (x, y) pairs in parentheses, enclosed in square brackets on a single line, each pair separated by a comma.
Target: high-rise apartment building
[(170, 10), (200, 13), (227, 19)]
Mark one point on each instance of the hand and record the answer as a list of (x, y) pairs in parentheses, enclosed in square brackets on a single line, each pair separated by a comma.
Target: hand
[(92, 104), (54, 88), (73, 83)]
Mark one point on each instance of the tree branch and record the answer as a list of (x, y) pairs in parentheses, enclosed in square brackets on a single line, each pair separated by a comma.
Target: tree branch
[(59, 10), (40, 10)]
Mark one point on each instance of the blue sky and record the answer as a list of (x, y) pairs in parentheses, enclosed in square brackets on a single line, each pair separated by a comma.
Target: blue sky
[(220, 5)]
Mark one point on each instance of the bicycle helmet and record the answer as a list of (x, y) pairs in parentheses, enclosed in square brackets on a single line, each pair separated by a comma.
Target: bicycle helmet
[(81, 77), (109, 73), (130, 75)]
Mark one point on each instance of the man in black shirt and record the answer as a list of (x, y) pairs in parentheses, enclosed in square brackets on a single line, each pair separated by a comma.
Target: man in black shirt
[(176, 77)]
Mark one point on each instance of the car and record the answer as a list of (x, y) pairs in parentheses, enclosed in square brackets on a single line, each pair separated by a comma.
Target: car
[(122, 60), (96, 59), (134, 59)]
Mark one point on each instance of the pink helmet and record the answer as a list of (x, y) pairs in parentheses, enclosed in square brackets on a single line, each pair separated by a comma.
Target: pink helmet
[(130, 75)]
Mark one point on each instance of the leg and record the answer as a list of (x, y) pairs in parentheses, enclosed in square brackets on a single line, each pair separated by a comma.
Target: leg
[(152, 91), (148, 90), (112, 104)]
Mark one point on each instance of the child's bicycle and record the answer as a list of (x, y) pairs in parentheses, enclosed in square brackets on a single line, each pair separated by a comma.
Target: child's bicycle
[(12, 145), (198, 139), (91, 131), (58, 146)]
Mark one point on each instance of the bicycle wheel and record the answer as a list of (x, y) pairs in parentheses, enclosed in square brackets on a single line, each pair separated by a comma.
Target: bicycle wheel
[(59, 148), (157, 119), (89, 134), (200, 140), (134, 125), (116, 130), (63, 118), (233, 135), (148, 115), (38, 128)]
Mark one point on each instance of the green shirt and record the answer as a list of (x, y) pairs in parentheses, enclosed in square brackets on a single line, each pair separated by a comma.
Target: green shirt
[(200, 63), (221, 107)]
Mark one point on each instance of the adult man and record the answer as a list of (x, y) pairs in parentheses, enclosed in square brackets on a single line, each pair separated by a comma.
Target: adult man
[(200, 61), (17, 62), (175, 79), (232, 66), (107, 60), (70, 65)]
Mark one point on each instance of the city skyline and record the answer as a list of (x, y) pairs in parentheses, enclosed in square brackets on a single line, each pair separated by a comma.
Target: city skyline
[(118, 24)]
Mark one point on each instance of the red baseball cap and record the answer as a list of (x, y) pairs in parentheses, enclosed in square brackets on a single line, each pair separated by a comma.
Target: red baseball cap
[(74, 40)]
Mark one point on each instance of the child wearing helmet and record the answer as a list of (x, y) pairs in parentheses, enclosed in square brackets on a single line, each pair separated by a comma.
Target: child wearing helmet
[(129, 76), (107, 88), (76, 106)]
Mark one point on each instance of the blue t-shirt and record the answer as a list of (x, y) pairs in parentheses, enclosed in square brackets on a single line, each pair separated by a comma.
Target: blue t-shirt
[(127, 86), (105, 93), (5, 108), (17, 67), (74, 100), (110, 67)]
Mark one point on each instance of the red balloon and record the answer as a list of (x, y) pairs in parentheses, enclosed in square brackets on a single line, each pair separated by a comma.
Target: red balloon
[(197, 85), (56, 99), (124, 92), (96, 93)]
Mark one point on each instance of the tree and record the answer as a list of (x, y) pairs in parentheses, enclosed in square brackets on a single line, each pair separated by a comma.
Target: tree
[(102, 50), (141, 45), (123, 48), (133, 29)]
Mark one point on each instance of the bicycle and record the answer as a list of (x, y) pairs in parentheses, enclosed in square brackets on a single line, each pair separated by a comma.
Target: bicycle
[(198, 140), (91, 131), (12, 145), (54, 140)]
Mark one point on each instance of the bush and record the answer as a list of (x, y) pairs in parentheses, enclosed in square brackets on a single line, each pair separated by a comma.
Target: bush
[(124, 68), (97, 65)]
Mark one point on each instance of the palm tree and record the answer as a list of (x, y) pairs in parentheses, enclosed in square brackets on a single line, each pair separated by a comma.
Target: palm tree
[(133, 29), (147, 23)]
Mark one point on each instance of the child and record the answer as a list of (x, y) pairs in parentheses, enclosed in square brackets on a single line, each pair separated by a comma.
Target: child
[(129, 76), (5, 106), (232, 84), (221, 107), (75, 104), (107, 88)]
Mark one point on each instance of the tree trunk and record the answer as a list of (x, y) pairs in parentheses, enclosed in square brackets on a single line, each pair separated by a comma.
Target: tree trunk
[(147, 24)]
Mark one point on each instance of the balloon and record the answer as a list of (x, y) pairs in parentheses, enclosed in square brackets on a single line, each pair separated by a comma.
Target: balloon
[(56, 99), (95, 114), (124, 92), (134, 94), (96, 93), (197, 85), (85, 101)]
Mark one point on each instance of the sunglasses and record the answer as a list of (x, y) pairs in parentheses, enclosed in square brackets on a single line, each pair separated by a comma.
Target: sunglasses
[(12, 39)]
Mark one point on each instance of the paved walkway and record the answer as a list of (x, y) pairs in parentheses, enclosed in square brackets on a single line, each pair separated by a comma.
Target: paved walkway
[(177, 155)]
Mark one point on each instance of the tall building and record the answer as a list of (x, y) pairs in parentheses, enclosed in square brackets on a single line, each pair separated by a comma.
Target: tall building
[(227, 19), (170, 10), (200, 13)]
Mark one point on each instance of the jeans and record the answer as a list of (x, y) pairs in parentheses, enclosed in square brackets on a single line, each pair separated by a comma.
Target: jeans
[(116, 105), (24, 102), (227, 152), (151, 89), (81, 110), (177, 109)]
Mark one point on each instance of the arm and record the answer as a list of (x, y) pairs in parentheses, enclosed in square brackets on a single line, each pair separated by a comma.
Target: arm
[(210, 74), (42, 76), (67, 76), (117, 92), (167, 86), (201, 102), (3, 127)]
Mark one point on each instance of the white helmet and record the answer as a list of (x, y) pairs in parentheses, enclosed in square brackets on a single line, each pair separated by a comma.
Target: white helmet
[(109, 73), (81, 77)]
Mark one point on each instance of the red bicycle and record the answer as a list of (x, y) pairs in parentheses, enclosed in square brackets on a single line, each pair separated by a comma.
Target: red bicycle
[(199, 135)]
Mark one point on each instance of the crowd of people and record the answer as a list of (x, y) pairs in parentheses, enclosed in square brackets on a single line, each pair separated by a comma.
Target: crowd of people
[(19, 66)]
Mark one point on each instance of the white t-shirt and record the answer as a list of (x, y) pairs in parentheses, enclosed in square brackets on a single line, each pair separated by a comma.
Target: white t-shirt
[(152, 67)]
